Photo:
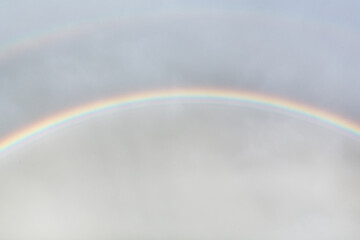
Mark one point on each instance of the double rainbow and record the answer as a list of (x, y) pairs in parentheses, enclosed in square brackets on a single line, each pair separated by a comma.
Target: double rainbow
[(167, 96), (212, 95)]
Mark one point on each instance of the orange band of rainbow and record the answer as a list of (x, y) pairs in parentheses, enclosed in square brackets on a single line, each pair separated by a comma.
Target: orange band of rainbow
[(192, 95)]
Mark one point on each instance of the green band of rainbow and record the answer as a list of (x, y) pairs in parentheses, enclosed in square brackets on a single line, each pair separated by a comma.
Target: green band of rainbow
[(152, 97)]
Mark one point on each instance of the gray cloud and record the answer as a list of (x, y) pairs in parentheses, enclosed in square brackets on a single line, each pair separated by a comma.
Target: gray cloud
[(182, 173), (181, 170)]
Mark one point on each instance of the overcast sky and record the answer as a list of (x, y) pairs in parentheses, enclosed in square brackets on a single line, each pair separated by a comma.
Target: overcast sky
[(182, 171)]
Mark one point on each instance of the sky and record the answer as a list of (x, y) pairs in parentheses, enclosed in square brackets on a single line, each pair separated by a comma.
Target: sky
[(179, 171)]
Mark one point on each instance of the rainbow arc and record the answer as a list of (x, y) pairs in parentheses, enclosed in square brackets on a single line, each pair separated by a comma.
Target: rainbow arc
[(167, 96)]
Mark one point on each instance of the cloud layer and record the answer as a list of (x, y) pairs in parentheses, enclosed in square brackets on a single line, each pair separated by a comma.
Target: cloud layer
[(183, 171)]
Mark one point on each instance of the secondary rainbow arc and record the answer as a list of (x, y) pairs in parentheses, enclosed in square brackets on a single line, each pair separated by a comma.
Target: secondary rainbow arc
[(221, 96), (70, 30)]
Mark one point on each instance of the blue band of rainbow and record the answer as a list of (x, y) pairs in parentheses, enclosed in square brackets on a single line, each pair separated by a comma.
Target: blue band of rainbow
[(191, 95)]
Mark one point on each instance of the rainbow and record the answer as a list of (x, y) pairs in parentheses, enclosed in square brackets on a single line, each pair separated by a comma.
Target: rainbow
[(237, 98), (21, 44)]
